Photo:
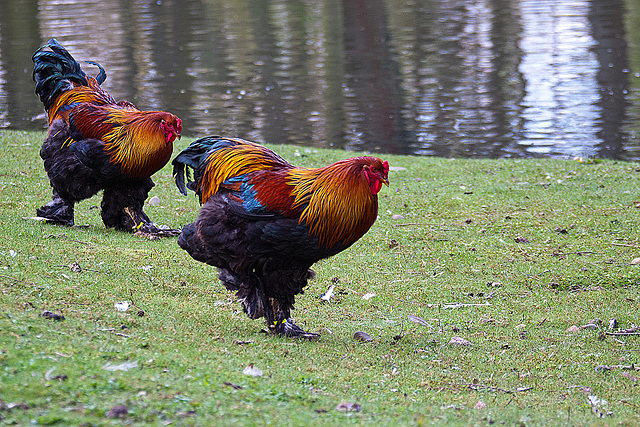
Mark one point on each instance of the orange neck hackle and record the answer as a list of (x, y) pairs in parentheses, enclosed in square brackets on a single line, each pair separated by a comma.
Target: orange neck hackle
[(339, 204), (138, 143)]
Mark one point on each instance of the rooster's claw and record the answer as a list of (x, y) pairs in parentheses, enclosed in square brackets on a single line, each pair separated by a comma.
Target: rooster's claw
[(289, 329), (152, 230)]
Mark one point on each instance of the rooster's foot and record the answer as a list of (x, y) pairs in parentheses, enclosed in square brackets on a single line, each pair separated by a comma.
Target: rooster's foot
[(57, 212), (289, 329)]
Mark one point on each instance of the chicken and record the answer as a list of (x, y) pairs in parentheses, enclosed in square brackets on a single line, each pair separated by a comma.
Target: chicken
[(96, 143), (263, 222)]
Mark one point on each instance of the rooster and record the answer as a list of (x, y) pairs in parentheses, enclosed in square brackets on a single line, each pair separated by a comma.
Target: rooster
[(264, 222), (96, 143)]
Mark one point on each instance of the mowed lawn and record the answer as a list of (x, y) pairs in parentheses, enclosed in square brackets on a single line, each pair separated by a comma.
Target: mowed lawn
[(494, 291)]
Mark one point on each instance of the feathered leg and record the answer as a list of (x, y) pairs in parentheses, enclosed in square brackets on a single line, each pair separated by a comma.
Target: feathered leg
[(278, 310), (122, 207), (57, 210), (248, 291), (70, 179), (279, 320)]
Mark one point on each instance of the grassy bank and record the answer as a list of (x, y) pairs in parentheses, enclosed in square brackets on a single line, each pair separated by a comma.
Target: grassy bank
[(508, 255)]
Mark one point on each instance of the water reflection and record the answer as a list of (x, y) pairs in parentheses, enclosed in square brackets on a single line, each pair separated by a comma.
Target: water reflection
[(490, 78), (607, 28)]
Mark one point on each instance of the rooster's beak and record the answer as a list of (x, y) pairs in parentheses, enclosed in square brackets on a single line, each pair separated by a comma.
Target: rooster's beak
[(177, 135), (385, 181)]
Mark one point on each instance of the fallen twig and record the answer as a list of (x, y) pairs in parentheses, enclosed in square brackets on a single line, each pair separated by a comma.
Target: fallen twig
[(140, 310), (436, 227), (628, 403), (575, 253), (631, 331), (235, 386), (120, 334), (14, 278), (75, 303), (482, 387), (622, 333), (64, 236), (624, 245), (75, 267), (460, 305), (631, 367)]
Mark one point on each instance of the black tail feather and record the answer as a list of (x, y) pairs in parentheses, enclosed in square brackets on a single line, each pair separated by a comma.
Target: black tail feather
[(187, 163), (102, 75), (55, 71)]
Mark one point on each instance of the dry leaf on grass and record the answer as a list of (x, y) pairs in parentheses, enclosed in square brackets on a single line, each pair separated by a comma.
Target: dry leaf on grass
[(118, 411), (348, 407), (418, 320), (52, 316), (480, 405), (327, 295), (362, 337), (125, 366), (459, 341)]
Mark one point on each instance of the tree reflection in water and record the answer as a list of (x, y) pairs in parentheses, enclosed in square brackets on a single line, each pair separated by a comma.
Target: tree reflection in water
[(453, 78)]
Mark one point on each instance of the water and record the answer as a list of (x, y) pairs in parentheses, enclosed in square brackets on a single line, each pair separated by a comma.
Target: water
[(453, 78)]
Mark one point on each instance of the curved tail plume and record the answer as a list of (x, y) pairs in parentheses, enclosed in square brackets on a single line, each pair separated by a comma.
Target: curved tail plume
[(56, 71), (192, 157)]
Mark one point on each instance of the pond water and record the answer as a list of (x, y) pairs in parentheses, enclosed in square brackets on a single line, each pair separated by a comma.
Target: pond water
[(453, 78)]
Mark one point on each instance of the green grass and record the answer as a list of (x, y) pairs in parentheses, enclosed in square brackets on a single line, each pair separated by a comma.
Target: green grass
[(536, 246)]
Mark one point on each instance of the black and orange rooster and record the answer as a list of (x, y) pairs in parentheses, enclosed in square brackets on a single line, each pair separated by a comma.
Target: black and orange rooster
[(96, 143), (264, 222)]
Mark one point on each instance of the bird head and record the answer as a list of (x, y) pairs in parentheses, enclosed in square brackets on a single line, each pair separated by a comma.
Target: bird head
[(172, 127), (376, 172)]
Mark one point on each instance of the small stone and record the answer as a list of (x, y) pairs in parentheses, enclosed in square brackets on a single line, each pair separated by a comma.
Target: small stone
[(252, 371), (122, 306), (154, 201)]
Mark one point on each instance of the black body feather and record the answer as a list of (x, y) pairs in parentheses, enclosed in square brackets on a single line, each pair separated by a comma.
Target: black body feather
[(81, 170)]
